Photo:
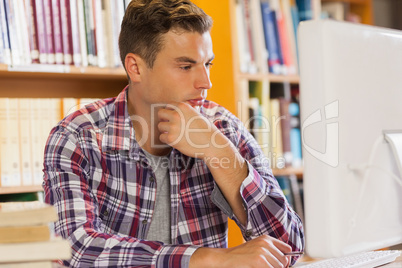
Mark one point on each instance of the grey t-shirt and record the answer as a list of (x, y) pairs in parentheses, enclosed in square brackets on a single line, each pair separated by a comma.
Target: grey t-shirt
[(159, 229)]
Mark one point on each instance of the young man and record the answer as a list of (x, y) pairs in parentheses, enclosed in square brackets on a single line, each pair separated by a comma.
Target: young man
[(149, 178)]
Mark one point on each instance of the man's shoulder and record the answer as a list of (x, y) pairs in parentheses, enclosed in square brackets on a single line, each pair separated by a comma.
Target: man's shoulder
[(92, 115)]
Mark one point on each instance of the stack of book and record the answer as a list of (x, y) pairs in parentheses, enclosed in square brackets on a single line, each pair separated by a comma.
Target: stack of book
[(25, 237)]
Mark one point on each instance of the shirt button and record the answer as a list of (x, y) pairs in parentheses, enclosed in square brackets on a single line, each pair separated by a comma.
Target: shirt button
[(106, 213), (248, 233), (151, 179), (144, 222)]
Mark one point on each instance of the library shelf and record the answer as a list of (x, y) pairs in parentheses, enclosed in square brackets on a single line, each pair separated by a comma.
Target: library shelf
[(60, 81), (21, 189)]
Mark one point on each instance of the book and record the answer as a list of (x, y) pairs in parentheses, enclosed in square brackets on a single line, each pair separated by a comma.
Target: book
[(276, 131), (66, 31), (263, 127), (25, 143), (75, 34), (271, 41), (5, 34), (22, 31), (48, 19), (261, 53), (33, 38), (11, 18), (100, 34), (291, 35), (285, 184), (57, 33), (36, 141), (90, 31), (82, 33), (35, 251), (26, 213), (305, 9), (12, 137), (285, 130), (22, 234), (252, 67), (295, 135), (40, 30)]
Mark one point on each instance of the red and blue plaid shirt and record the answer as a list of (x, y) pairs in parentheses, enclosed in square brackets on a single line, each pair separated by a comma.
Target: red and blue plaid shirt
[(101, 183)]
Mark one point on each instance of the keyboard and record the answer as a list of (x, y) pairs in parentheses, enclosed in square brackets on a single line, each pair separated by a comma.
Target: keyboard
[(365, 259)]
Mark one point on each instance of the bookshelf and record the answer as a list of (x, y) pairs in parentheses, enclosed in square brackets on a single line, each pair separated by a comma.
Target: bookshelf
[(362, 8), (68, 81)]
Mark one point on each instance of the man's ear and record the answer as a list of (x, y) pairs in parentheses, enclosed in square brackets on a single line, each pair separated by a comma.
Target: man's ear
[(134, 66)]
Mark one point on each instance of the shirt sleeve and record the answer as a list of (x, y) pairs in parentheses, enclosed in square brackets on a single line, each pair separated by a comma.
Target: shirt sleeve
[(268, 211), (66, 186)]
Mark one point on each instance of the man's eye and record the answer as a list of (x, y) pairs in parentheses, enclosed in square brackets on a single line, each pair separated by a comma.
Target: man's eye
[(188, 67), (209, 65)]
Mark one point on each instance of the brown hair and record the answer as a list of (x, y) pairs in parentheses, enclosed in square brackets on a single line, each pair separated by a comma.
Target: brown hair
[(145, 22)]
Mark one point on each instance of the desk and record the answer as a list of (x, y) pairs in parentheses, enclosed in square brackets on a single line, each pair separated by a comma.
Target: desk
[(395, 264)]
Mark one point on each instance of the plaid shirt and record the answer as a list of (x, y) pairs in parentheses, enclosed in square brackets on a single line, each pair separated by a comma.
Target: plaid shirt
[(100, 181)]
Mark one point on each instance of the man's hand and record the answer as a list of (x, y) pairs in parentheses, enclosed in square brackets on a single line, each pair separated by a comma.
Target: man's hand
[(263, 251), (186, 130)]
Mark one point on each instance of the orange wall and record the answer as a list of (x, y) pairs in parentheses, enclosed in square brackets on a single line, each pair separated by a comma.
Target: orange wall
[(222, 90)]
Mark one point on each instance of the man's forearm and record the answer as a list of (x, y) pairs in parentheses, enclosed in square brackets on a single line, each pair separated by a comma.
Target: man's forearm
[(229, 170)]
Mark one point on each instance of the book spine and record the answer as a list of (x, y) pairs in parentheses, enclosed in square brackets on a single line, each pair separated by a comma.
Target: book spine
[(2, 41), (119, 14), (295, 135), (37, 146), (22, 31), (92, 21), (33, 38), (75, 33), (284, 183), (5, 33), (41, 33), (89, 32), (270, 38), (290, 32), (249, 36), (244, 54), (108, 32), (4, 175), (82, 33), (284, 42), (305, 9), (261, 55), (25, 142), (285, 130), (66, 31), (48, 18), (13, 142), (57, 32), (12, 27), (100, 34)]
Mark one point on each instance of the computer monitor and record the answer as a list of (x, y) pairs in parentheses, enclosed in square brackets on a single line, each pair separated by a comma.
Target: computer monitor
[(350, 97)]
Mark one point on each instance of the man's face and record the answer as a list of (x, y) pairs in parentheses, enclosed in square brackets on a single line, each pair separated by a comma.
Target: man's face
[(181, 70)]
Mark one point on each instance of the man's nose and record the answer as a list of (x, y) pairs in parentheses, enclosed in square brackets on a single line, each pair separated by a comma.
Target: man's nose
[(203, 81)]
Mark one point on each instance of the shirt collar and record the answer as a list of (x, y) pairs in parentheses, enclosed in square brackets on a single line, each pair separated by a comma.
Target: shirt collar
[(119, 134)]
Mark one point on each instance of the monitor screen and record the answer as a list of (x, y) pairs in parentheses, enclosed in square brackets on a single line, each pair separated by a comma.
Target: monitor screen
[(351, 114)]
